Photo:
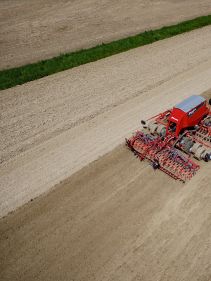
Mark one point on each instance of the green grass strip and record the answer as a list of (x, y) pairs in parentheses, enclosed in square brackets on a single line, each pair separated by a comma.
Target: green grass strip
[(17, 76)]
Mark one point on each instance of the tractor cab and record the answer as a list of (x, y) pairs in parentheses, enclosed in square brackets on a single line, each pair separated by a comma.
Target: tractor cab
[(187, 114)]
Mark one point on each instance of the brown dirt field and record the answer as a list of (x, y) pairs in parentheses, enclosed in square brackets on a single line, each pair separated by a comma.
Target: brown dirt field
[(52, 127), (116, 220), (36, 30)]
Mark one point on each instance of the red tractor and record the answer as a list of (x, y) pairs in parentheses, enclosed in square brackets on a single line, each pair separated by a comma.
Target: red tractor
[(171, 139)]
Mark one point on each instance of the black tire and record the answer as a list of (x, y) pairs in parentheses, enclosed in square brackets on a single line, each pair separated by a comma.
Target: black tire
[(155, 165), (207, 157)]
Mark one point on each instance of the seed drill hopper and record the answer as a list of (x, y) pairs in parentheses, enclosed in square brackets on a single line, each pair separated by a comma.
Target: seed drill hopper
[(171, 140)]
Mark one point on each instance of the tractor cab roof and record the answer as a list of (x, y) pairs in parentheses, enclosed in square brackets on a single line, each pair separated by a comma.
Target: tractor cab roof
[(190, 103)]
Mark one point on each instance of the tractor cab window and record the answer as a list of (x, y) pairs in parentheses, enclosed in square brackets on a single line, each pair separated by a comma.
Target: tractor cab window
[(172, 127)]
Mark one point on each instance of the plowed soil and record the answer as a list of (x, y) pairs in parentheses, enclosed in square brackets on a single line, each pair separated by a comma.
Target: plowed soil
[(52, 127), (116, 220), (36, 30)]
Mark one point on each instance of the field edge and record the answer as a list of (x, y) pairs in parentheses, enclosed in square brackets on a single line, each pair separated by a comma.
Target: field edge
[(30, 72)]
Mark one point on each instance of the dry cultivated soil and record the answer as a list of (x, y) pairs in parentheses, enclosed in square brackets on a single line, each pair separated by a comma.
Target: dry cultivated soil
[(35, 30), (52, 127), (116, 220), (109, 216)]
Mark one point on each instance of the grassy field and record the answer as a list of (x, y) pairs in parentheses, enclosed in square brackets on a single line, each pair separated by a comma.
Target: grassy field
[(17, 76)]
